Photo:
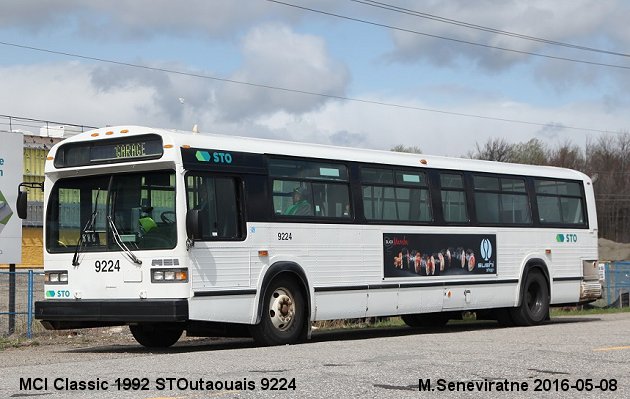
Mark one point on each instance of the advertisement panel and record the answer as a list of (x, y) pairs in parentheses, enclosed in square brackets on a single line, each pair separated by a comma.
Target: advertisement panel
[(11, 170), (415, 255)]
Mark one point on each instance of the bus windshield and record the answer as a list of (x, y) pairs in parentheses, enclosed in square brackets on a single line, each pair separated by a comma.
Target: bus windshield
[(140, 206)]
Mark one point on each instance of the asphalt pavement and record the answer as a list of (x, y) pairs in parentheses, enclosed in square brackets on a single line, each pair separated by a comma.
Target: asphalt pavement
[(587, 356)]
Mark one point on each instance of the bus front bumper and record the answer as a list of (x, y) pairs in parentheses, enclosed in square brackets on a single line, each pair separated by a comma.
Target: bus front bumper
[(66, 314)]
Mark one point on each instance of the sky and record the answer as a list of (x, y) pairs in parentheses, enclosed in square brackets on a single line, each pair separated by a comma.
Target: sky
[(368, 74)]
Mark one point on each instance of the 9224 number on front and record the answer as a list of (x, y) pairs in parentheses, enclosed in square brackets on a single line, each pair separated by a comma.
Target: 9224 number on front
[(107, 266)]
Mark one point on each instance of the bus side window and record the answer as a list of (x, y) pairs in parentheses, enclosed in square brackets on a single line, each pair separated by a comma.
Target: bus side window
[(560, 202), (454, 205), (217, 200)]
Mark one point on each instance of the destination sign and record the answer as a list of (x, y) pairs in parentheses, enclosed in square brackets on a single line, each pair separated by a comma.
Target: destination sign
[(109, 151)]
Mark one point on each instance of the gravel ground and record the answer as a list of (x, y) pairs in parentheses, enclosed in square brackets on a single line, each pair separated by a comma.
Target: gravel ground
[(367, 363), (53, 346)]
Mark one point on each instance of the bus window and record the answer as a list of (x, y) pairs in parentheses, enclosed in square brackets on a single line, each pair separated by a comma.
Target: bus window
[(307, 188), (143, 210), (453, 195), (72, 204), (217, 199), (500, 200), (141, 207), (559, 202), (405, 198), (305, 198)]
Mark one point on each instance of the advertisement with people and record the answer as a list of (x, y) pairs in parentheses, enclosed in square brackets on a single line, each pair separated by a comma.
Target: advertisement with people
[(413, 255)]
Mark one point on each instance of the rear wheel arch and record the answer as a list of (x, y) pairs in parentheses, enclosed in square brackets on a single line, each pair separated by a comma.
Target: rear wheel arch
[(534, 295), (532, 265)]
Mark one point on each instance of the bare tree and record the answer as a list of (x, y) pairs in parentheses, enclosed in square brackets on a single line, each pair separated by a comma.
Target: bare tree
[(567, 155), (497, 149), (607, 157), (411, 149)]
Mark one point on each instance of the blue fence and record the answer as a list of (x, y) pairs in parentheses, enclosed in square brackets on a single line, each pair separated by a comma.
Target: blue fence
[(617, 283), (16, 301)]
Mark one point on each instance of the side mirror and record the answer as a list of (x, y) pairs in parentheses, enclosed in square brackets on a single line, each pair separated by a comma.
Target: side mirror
[(22, 199), (193, 227), (21, 204)]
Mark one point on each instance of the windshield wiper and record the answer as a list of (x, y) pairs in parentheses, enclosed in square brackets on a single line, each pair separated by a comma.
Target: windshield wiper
[(120, 243), (88, 225)]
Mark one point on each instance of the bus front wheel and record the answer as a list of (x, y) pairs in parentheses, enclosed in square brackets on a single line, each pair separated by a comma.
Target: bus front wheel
[(160, 335), (283, 318), (534, 307)]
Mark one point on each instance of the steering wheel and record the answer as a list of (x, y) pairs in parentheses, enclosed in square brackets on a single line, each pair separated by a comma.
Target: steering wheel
[(168, 217)]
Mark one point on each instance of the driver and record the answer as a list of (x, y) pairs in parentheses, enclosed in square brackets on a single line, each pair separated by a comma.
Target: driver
[(300, 206), (146, 221)]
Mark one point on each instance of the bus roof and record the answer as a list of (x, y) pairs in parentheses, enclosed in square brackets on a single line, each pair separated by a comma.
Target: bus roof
[(178, 138)]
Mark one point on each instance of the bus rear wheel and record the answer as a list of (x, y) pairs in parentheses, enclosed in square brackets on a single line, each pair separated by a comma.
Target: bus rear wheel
[(534, 307), (159, 335), (283, 318)]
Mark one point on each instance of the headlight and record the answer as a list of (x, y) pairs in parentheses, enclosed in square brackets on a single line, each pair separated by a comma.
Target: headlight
[(169, 275), (56, 277)]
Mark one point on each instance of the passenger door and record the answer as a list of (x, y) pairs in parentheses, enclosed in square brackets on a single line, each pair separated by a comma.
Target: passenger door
[(220, 260)]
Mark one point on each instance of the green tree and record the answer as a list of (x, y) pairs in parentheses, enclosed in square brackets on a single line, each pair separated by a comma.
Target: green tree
[(533, 152)]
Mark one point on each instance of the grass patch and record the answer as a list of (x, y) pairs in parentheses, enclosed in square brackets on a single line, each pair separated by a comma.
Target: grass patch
[(379, 322), (9, 342), (388, 322), (467, 317), (368, 322), (585, 311)]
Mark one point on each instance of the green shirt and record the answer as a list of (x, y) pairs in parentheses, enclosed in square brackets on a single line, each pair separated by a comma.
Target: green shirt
[(300, 208)]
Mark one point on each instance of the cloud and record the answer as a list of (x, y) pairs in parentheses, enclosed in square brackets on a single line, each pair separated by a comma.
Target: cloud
[(175, 97), (274, 55), (347, 139), (134, 18), (587, 22), (37, 16), (73, 92), (142, 19), (90, 95), (551, 130)]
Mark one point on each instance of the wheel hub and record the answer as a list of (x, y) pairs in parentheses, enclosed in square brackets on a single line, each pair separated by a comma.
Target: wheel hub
[(281, 309)]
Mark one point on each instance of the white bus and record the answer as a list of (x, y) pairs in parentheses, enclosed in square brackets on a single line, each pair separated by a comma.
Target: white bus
[(170, 231)]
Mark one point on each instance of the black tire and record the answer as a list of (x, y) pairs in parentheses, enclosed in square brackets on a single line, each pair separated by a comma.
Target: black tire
[(284, 318), (503, 317), (534, 307), (160, 335), (425, 320)]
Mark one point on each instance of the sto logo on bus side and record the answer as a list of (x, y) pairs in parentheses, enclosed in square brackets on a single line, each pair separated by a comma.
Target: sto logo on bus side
[(214, 157)]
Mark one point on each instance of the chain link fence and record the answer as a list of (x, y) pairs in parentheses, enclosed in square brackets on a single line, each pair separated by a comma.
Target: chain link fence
[(18, 292), (616, 284)]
